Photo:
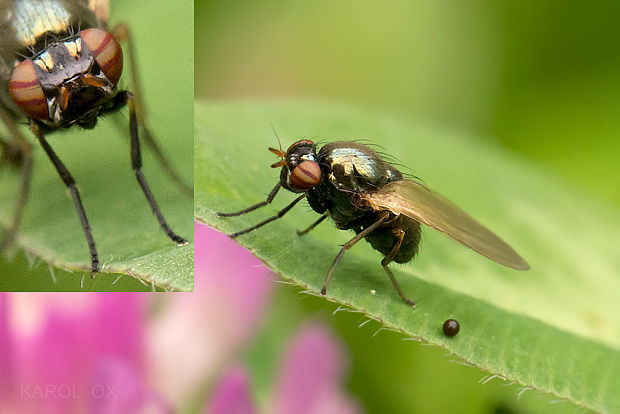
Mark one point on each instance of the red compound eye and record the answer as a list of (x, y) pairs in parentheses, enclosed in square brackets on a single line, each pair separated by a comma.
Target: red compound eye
[(305, 176), (26, 91), (107, 52)]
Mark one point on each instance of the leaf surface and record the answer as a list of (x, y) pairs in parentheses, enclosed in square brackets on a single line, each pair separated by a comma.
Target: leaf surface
[(555, 327)]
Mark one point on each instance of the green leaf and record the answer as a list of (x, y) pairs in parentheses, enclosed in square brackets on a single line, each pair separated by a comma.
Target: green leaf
[(129, 239), (554, 328)]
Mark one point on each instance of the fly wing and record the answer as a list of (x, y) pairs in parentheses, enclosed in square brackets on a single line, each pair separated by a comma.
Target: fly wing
[(426, 206)]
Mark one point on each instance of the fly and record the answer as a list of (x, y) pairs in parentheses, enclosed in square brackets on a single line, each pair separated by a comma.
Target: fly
[(360, 191), (59, 66)]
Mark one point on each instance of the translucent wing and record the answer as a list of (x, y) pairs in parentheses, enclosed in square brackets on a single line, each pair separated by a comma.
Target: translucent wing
[(426, 206)]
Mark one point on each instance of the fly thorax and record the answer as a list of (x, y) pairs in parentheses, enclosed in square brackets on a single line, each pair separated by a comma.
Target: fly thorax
[(353, 170)]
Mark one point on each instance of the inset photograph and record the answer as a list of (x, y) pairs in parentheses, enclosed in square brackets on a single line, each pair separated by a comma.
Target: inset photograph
[(96, 140)]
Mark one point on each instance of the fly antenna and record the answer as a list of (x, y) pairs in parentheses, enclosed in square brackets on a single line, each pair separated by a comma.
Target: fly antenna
[(277, 137), (279, 152)]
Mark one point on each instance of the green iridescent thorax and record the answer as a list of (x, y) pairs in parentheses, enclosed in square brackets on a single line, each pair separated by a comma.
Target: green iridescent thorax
[(28, 22), (33, 18), (355, 167)]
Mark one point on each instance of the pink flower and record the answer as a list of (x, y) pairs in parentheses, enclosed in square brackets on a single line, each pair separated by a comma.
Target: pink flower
[(311, 375), (232, 393), (108, 353), (309, 380), (74, 353), (100, 353), (199, 333), (312, 368)]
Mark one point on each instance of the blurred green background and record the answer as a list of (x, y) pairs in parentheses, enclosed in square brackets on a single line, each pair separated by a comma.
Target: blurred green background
[(540, 78)]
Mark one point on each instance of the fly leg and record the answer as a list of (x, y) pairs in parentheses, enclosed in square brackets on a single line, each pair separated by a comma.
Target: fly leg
[(253, 207), (400, 234), (350, 244), (270, 219), (312, 226), (18, 152), (122, 33), (66, 177), (136, 164)]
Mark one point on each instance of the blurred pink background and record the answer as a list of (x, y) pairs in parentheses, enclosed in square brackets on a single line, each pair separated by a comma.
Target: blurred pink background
[(163, 353)]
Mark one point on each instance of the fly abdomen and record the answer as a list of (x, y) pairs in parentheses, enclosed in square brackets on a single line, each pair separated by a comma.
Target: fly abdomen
[(411, 241), (385, 238)]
